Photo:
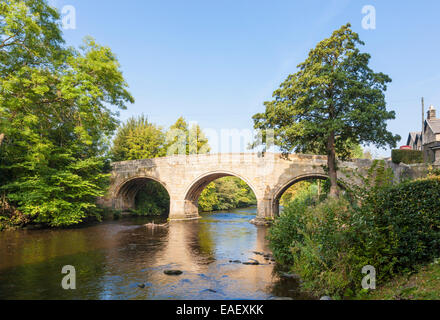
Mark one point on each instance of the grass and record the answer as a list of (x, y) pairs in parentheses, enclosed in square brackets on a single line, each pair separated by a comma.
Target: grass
[(423, 285)]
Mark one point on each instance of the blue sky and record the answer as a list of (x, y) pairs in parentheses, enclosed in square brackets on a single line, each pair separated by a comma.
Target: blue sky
[(216, 62)]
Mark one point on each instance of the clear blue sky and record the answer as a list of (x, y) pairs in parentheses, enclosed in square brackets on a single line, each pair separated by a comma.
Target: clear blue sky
[(216, 62)]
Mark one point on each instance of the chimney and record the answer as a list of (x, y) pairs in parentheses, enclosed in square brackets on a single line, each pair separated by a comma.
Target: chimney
[(431, 113)]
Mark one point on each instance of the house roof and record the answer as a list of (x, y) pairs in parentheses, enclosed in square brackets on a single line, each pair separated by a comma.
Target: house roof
[(413, 136), (434, 124)]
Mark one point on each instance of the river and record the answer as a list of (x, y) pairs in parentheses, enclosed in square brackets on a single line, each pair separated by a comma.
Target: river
[(123, 259)]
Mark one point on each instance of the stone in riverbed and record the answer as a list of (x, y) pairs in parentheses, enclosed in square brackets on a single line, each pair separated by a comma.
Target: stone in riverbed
[(173, 272), (252, 263), (209, 290), (234, 261), (289, 275), (326, 298)]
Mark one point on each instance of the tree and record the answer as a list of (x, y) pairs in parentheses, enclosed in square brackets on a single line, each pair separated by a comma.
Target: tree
[(226, 193), (335, 99), (54, 117), (184, 140), (208, 200), (138, 139)]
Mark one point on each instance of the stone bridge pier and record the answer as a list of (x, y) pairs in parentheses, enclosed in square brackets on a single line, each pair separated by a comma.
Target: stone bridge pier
[(185, 177)]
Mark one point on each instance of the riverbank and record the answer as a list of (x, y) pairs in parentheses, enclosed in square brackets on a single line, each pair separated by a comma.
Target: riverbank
[(423, 285)]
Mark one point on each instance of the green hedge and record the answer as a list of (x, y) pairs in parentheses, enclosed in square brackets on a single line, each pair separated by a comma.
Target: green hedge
[(396, 229), (410, 214), (407, 156)]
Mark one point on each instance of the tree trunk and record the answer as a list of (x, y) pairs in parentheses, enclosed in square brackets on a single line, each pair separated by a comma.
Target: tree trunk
[(2, 136), (331, 163)]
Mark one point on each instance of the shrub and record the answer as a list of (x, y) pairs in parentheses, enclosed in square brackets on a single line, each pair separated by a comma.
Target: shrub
[(410, 212), (287, 229), (407, 156), (395, 229)]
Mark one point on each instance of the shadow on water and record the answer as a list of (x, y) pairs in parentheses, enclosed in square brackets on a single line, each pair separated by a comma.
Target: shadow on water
[(126, 260)]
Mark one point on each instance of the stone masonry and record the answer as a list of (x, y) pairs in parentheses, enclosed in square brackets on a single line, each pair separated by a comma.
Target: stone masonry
[(185, 177)]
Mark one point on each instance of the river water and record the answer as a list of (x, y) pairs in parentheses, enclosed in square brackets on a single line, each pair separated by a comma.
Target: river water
[(125, 260)]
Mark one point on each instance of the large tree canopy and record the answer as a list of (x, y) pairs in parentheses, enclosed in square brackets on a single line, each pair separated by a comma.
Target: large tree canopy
[(334, 100), (55, 117)]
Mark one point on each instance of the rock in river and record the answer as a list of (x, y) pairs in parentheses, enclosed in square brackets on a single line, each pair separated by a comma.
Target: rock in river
[(289, 275), (252, 263), (173, 272)]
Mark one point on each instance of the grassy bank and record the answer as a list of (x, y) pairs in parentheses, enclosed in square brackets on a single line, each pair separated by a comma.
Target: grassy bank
[(422, 285)]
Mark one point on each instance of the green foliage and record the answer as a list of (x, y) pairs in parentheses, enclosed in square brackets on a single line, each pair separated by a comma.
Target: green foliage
[(356, 151), (393, 228), (317, 188), (208, 200), (226, 193), (407, 156), (421, 285), (182, 139), (286, 228), (138, 139), (324, 256), (335, 100), (377, 177), (54, 117), (409, 213), (152, 200)]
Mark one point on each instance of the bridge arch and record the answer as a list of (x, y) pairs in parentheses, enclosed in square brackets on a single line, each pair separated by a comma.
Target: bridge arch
[(195, 188), (279, 191), (125, 193)]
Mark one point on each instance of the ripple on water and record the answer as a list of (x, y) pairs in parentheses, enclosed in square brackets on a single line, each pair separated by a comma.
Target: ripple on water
[(124, 260)]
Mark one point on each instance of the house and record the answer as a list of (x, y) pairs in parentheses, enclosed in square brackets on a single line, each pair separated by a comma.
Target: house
[(415, 140), (431, 137)]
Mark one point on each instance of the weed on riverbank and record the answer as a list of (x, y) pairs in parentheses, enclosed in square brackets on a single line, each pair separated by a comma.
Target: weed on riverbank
[(422, 285)]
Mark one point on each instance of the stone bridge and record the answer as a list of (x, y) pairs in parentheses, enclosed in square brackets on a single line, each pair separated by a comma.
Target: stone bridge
[(185, 177)]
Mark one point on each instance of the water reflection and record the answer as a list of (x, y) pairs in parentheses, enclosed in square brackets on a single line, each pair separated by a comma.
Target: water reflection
[(125, 260)]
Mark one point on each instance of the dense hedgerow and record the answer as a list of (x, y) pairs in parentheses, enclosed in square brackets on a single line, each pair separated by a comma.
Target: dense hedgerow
[(407, 156), (395, 229), (411, 213)]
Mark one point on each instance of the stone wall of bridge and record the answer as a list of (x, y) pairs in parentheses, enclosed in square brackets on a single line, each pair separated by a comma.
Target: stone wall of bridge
[(185, 177)]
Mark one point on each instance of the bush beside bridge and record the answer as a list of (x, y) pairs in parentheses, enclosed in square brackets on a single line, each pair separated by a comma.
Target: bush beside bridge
[(396, 229)]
